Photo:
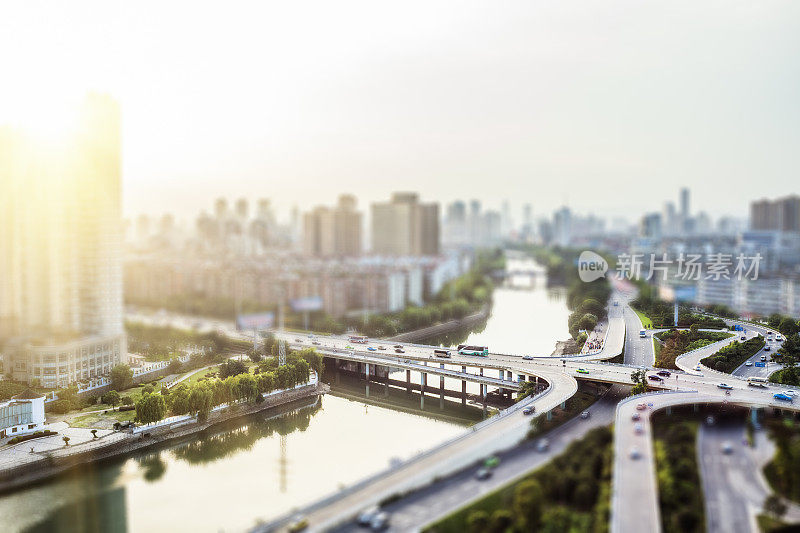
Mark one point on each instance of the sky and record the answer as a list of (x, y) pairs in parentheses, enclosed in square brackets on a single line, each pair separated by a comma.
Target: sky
[(607, 107)]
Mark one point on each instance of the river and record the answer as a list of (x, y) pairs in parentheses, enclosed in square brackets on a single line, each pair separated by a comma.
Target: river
[(262, 466)]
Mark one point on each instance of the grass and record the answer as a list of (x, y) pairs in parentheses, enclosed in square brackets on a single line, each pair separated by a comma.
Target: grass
[(91, 420), (646, 322)]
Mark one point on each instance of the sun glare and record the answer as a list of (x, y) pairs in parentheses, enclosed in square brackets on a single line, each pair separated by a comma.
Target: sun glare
[(47, 118)]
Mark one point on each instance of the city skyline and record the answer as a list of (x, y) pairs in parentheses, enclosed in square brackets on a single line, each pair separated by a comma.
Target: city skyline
[(559, 100)]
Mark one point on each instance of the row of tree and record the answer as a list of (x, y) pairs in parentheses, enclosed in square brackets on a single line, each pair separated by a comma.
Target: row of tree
[(730, 357), (675, 343)]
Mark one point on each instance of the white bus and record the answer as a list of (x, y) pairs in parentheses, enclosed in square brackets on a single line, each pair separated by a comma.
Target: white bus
[(358, 339), (464, 349), (642, 333), (757, 382)]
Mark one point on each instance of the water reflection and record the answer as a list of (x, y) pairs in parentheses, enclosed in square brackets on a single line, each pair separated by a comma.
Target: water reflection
[(99, 513)]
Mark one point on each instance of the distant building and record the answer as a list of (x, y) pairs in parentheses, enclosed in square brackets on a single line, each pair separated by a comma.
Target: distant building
[(404, 226), (782, 214), (651, 226), (61, 251), (333, 232), (22, 414)]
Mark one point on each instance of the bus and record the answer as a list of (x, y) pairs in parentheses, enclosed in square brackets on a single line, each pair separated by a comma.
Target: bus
[(465, 349), (757, 382), (358, 339), (439, 352), (642, 333)]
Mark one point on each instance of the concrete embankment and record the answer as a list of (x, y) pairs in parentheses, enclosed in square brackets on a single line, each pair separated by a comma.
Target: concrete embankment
[(445, 327), (47, 467)]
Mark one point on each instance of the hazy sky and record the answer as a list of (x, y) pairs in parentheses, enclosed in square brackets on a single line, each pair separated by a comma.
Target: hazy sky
[(606, 106)]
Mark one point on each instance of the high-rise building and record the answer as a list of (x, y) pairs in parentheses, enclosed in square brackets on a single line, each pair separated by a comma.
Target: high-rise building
[(782, 214), (333, 232), (61, 308), (404, 226), (685, 205)]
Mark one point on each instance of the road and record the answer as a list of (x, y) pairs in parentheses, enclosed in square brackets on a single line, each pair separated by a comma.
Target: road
[(638, 351), (415, 511)]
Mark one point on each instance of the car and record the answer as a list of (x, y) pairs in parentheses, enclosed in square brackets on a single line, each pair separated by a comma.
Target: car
[(727, 448), (398, 346), (743, 338), (710, 420), (767, 348), (380, 521), (585, 415), (748, 363), (542, 445), (298, 523), (491, 462), (635, 453), (482, 474), (638, 428), (316, 343), (724, 386), (664, 373), (782, 397), (529, 410), (636, 417), (348, 347), (697, 368), (641, 407), (778, 338), (582, 371), (381, 347), (653, 377), (763, 358), (527, 357), (297, 340), (365, 517), (372, 349), (616, 303), (790, 392), (399, 350)]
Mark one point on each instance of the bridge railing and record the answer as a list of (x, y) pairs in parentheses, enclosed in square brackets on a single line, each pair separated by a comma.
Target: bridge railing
[(276, 523)]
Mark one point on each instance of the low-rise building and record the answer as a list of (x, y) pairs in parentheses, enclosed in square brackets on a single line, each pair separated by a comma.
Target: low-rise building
[(22, 414)]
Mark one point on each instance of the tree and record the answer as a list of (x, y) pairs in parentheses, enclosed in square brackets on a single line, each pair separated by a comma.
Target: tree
[(175, 366), (94, 433), (528, 505), (255, 356), (477, 522), (150, 408), (201, 401), (121, 377), (502, 520), (639, 378), (527, 388), (66, 440), (111, 398), (775, 506), (232, 367), (788, 327)]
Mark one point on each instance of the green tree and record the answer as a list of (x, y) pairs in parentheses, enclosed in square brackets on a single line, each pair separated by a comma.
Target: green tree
[(201, 401), (477, 522), (501, 521), (150, 408), (66, 440), (587, 322), (639, 378), (528, 505), (775, 506), (788, 327), (232, 367), (111, 398), (94, 433), (121, 377)]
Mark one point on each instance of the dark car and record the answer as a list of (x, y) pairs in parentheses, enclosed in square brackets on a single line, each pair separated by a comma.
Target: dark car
[(664, 373), (653, 377), (399, 350)]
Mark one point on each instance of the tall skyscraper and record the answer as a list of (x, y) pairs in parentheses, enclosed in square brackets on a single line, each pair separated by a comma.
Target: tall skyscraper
[(404, 226), (60, 250), (685, 214), (333, 232)]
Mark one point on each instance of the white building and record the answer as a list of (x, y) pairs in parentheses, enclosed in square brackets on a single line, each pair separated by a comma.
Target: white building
[(61, 237), (22, 414)]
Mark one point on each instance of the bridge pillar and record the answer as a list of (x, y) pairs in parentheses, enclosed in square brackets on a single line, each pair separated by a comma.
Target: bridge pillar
[(464, 387), (754, 416), (386, 384), (366, 371), (550, 414), (483, 396), (563, 405), (423, 384), (669, 410), (694, 407), (408, 380)]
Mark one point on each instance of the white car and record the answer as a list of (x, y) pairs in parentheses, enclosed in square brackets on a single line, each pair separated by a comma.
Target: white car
[(635, 453), (790, 392), (748, 363)]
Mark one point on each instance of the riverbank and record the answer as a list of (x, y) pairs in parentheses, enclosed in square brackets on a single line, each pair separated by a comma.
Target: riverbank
[(443, 328), (51, 465)]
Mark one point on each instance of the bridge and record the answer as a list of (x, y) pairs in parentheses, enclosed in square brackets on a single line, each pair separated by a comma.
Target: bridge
[(509, 427)]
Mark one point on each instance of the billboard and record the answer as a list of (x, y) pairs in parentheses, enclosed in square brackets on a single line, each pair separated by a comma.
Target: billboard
[(679, 293), (309, 303), (255, 321)]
